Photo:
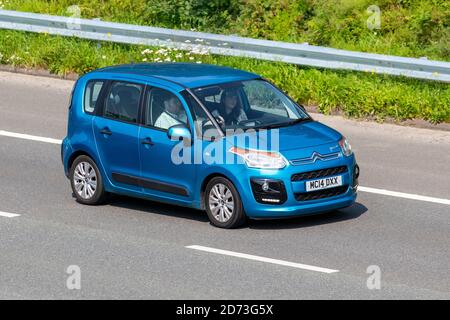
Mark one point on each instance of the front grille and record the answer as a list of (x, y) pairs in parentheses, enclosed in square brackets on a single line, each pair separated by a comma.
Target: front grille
[(314, 157), (319, 173), (320, 194)]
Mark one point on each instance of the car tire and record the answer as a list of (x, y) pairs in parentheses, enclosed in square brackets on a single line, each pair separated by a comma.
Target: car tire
[(87, 182), (223, 204)]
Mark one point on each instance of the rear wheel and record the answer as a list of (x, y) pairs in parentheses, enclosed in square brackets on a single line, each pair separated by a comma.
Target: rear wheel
[(86, 181), (223, 204)]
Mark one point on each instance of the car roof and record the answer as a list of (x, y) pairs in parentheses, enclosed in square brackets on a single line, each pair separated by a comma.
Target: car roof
[(188, 75)]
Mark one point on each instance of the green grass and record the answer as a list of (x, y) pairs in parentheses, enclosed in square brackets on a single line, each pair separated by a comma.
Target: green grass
[(412, 28), (353, 93)]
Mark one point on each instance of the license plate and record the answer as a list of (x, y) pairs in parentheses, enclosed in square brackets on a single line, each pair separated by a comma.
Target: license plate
[(324, 183)]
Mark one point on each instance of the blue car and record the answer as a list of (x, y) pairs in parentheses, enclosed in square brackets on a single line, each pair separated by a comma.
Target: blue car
[(206, 137)]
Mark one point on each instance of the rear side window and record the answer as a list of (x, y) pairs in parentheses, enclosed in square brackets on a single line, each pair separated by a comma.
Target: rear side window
[(122, 102), (91, 95)]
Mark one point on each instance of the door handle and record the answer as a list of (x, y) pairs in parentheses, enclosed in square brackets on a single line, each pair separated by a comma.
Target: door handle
[(147, 141), (106, 131)]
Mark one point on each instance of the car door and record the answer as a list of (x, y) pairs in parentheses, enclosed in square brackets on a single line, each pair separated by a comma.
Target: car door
[(162, 174), (116, 133)]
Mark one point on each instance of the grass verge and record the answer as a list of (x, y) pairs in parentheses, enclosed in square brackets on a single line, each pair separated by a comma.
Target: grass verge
[(354, 94)]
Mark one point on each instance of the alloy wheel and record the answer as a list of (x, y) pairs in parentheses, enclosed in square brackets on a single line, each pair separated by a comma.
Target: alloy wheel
[(85, 180), (221, 202)]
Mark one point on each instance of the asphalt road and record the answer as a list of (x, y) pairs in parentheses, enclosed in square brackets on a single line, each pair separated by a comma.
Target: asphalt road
[(135, 249)]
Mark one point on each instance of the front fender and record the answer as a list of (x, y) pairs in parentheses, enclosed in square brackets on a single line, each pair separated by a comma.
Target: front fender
[(231, 172)]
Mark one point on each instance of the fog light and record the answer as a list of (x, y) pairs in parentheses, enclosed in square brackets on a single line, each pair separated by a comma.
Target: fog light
[(268, 191), (270, 200)]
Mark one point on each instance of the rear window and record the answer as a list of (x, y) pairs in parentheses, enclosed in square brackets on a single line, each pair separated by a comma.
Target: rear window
[(122, 102), (91, 95)]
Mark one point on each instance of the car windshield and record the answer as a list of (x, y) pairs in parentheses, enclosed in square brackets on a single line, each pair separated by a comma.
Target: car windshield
[(248, 104)]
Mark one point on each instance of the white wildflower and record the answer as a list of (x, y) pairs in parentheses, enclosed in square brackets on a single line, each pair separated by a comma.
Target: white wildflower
[(161, 52), (146, 51)]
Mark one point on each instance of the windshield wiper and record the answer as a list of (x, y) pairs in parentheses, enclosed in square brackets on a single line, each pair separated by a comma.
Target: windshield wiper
[(284, 124)]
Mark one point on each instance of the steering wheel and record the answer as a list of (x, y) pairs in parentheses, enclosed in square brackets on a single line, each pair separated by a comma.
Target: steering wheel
[(245, 122)]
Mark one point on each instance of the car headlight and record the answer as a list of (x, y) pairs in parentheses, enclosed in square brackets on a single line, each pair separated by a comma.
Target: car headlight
[(345, 147), (260, 159)]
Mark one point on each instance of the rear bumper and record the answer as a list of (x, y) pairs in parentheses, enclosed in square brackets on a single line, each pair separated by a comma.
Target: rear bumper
[(66, 151)]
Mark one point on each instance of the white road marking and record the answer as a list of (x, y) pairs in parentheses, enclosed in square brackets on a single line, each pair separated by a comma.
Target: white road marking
[(8, 214), (404, 195), (262, 259), (360, 188), (29, 137)]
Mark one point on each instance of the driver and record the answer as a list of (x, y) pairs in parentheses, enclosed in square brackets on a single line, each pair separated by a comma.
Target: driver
[(172, 115), (229, 110)]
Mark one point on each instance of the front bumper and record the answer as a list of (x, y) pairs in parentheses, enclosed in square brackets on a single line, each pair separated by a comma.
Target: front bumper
[(294, 202)]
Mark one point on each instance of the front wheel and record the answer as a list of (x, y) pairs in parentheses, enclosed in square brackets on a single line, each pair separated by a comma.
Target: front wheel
[(223, 204), (86, 181)]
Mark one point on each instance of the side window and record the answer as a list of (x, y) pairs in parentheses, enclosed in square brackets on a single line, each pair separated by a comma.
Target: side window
[(91, 94), (163, 109), (204, 128), (215, 98), (122, 102)]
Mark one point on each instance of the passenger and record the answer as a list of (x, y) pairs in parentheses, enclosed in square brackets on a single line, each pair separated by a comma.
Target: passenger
[(127, 104), (172, 115)]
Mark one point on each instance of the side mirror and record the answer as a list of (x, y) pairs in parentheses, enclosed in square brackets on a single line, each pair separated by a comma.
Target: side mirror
[(180, 132)]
